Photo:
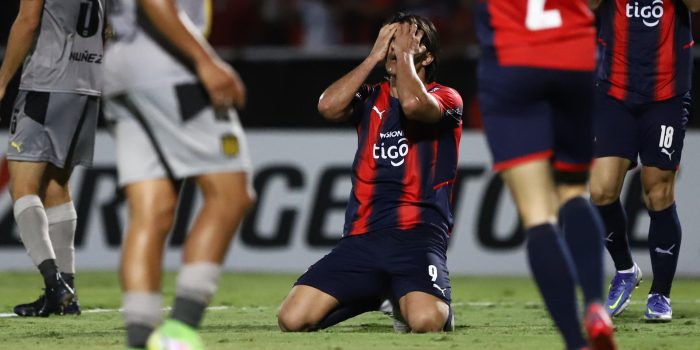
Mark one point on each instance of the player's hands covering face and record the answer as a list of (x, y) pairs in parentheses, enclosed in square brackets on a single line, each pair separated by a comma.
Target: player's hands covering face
[(407, 40), (381, 46), (224, 85)]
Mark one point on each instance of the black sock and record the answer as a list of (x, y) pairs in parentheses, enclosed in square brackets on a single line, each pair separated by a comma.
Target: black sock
[(552, 269), (188, 311), (69, 278), (664, 246), (137, 335), (616, 241), (347, 311), (583, 231), (49, 271)]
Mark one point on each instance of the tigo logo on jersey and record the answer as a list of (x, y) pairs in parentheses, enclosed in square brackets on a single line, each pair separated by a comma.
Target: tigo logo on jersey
[(395, 153), (650, 15)]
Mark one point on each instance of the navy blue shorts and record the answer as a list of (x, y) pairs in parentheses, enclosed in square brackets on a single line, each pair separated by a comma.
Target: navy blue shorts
[(531, 114), (653, 132), (385, 263)]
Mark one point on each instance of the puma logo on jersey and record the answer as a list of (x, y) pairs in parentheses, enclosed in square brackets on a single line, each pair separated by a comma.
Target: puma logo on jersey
[(16, 145), (440, 289), (378, 112), (669, 154), (665, 251)]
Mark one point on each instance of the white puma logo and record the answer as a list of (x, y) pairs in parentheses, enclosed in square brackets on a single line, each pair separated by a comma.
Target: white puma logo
[(378, 112), (667, 251), (609, 238), (665, 151), (440, 289)]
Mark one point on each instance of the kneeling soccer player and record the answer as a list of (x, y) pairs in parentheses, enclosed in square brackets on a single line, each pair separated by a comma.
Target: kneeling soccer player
[(399, 215), (173, 122)]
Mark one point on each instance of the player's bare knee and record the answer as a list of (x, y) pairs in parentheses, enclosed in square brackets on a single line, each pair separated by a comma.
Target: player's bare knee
[(602, 194), (426, 321), (292, 321), (159, 220), (659, 196)]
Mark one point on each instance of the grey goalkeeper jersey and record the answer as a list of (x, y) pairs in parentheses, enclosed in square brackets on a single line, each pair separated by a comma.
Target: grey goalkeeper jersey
[(67, 54), (140, 56)]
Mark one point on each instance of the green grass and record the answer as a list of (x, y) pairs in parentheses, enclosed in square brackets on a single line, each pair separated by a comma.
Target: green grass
[(491, 313)]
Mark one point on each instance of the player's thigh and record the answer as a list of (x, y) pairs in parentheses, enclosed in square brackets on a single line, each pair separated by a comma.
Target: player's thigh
[(416, 261), (152, 205), (662, 134), (515, 113), (615, 128), (607, 178), (57, 187), (232, 190), (26, 178), (533, 190), (572, 106), (349, 272)]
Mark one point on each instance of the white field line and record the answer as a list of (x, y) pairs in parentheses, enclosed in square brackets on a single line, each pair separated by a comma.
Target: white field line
[(102, 311), (458, 304)]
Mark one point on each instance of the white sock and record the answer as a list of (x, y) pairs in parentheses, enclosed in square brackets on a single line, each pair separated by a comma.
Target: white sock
[(33, 228), (62, 222)]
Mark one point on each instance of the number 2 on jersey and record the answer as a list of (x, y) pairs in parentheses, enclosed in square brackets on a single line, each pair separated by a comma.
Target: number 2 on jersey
[(538, 18)]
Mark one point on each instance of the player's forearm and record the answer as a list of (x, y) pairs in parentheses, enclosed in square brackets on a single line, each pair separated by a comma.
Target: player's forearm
[(165, 16), (22, 37), (335, 103), (692, 5), (416, 102)]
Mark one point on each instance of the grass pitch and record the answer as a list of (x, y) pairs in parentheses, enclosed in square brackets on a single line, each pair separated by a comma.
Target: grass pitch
[(491, 313)]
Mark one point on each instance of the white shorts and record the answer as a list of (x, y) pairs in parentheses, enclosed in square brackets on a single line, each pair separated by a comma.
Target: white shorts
[(173, 132)]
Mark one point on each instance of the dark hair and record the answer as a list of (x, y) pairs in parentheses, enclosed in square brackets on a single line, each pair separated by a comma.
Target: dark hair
[(430, 39)]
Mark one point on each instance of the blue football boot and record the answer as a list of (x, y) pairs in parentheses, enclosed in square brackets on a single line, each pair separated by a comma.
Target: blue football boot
[(621, 288)]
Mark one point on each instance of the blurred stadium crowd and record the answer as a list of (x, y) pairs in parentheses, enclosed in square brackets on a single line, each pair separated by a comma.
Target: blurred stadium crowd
[(318, 24), (320, 27)]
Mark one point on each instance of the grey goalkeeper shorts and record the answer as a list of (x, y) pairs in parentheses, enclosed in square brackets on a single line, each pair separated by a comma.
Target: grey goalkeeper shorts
[(173, 132), (54, 127)]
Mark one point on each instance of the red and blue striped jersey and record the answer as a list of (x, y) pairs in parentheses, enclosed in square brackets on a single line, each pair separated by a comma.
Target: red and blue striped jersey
[(404, 170), (645, 49), (549, 34)]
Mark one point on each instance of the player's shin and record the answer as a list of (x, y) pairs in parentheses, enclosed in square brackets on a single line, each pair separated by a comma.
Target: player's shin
[(62, 220), (552, 269), (34, 230), (583, 232), (142, 313), (616, 241), (196, 284), (347, 311), (664, 246)]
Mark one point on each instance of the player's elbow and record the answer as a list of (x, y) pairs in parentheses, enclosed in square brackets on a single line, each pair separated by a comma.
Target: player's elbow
[(417, 110), (330, 111)]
